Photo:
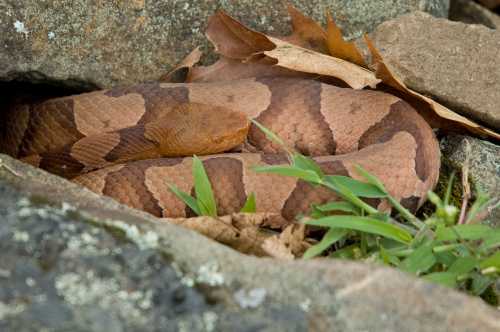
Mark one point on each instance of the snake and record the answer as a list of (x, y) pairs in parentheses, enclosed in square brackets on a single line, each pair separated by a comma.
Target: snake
[(131, 143)]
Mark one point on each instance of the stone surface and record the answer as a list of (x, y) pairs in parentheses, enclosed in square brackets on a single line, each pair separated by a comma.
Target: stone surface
[(88, 44), (484, 165), (457, 64), (72, 260), (470, 12)]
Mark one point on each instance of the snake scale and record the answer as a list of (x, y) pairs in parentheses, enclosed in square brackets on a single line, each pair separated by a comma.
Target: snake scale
[(128, 142)]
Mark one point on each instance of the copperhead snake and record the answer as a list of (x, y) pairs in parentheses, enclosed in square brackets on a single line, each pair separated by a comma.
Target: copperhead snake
[(114, 142)]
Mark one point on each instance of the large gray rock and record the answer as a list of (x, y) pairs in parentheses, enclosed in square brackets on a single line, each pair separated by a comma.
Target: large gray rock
[(455, 63), (470, 12), (88, 44), (74, 261), (484, 165)]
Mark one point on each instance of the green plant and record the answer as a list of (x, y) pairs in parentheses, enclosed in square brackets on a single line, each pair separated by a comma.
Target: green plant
[(441, 248), (203, 203)]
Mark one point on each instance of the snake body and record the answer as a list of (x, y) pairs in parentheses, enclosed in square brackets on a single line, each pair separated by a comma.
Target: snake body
[(115, 141)]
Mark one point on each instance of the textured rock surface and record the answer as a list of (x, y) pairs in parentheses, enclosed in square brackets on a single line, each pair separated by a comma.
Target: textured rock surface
[(468, 11), (484, 164), (86, 43), (455, 63), (107, 267)]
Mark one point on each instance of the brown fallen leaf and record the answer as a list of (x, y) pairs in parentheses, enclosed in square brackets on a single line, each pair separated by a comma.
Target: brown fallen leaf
[(304, 60), (179, 73), (240, 231), (447, 119), (306, 32), (226, 69), (340, 48), (233, 40), (289, 244)]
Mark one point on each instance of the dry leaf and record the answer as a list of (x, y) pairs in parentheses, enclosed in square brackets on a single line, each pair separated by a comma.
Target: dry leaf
[(304, 60), (289, 244), (307, 33), (179, 73), (226, 69), (339, 48), (240, 231), (383, 72), (234, 40)]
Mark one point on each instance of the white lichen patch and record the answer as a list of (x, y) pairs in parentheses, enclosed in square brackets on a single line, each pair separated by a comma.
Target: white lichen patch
[(84, 244), (107, 294), (51, 35), (144, 240), (305, 305), (210, 320), (30, 282), (250, 299), (27, 209), (8, 310), (209, 274), (20, 28), (20, 236)]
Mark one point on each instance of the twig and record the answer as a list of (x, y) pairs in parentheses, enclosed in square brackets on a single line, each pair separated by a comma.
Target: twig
[(465, 183), (8, 168)]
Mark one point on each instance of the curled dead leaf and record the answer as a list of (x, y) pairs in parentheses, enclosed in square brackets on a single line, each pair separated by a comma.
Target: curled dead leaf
[(179, 73), (226, 69), (306, 32), (233, 40), (340, 48), (289, 244), (304, 60)]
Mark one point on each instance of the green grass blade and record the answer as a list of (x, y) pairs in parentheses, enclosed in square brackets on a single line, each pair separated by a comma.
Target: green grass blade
[(333, 235), (366, 225), (186, 198), (491, 241), (371, 179), (203, 189), (358, 188), (250, 205), (463, 265), (449, 188), (347, 194), (306, 163), (338, 206), (269, 134), (299, 173), (465, 232), (492, 261), (444, 278), (420, 261)]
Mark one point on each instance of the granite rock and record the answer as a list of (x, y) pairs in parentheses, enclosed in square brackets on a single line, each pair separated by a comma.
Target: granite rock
[(72, 260), (456, 64), (88, 44)]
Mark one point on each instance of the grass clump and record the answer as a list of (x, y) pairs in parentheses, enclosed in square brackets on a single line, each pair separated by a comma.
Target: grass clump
[(446, 247)]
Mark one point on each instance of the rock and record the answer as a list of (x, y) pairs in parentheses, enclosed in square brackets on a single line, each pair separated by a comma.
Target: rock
[(467, 11), (86, 44), (484, 165), (72, 260), (454, 63)]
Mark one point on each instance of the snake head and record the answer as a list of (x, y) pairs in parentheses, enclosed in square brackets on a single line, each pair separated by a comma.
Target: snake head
[(200, 129)]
